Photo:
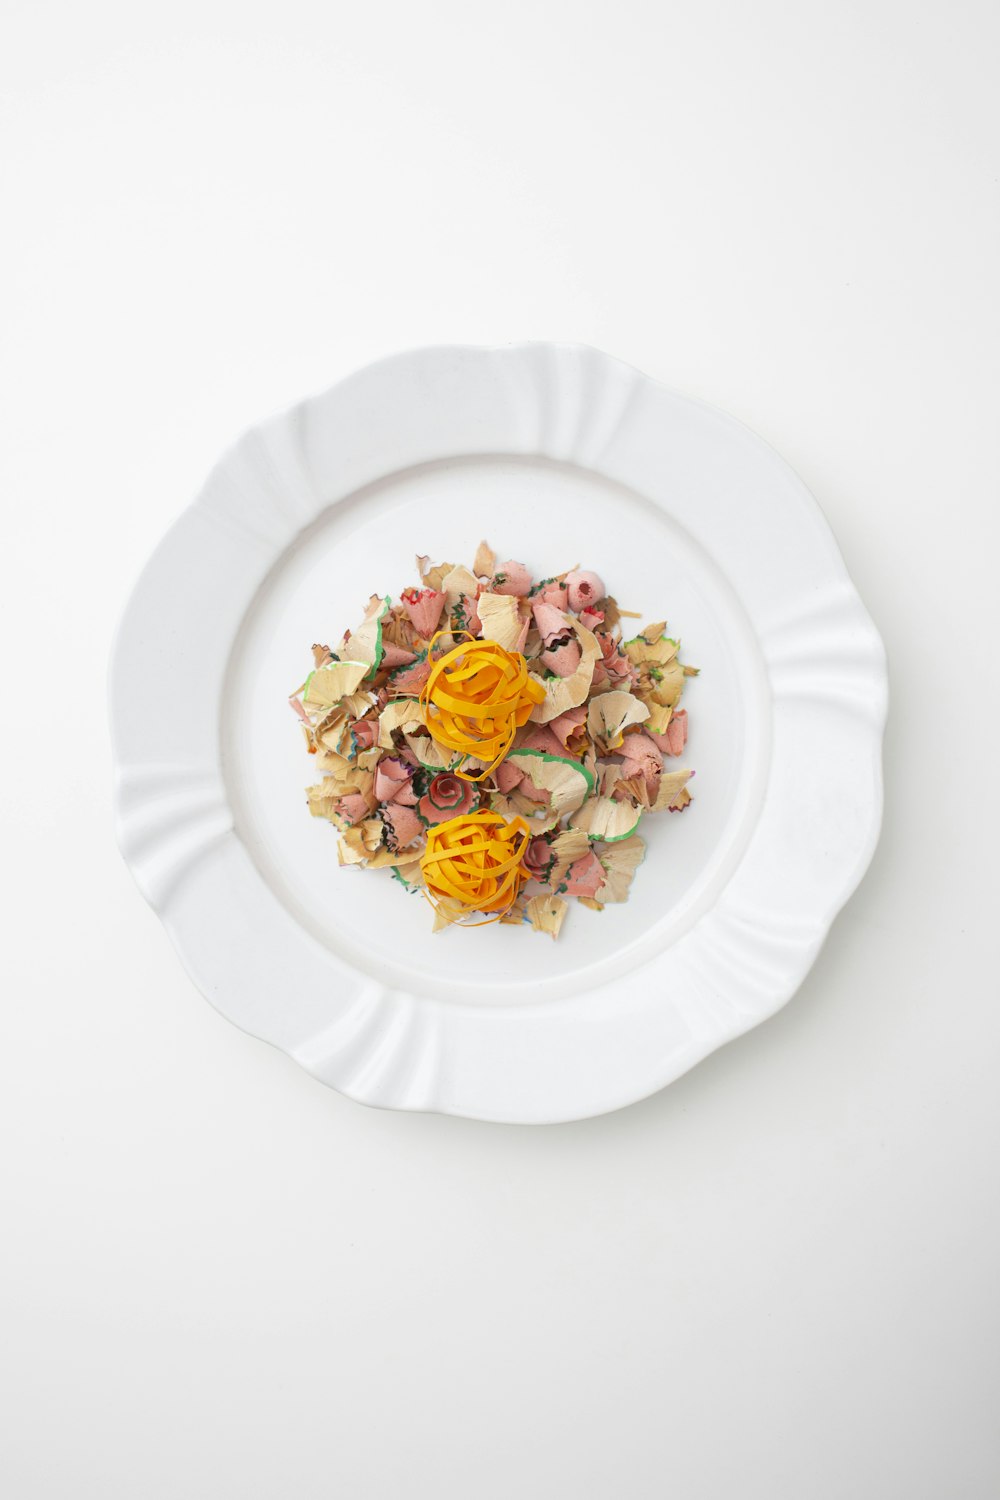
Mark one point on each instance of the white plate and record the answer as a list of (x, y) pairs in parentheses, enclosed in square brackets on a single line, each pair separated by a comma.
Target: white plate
[(558, 455)]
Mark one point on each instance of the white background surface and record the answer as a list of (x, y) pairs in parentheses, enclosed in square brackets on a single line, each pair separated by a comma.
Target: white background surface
[(779, 1277)]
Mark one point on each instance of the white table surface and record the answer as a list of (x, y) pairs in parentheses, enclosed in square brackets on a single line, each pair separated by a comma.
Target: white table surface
[(778, 1278)]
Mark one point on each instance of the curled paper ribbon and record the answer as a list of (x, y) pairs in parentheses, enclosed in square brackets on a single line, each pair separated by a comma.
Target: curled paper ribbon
[(475, 863), (476, 697)]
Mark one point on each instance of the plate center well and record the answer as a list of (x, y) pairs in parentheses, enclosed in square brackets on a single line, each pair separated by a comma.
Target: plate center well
[(550, 516)]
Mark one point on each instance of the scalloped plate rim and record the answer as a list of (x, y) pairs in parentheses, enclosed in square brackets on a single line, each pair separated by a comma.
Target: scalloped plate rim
[(837, 896)]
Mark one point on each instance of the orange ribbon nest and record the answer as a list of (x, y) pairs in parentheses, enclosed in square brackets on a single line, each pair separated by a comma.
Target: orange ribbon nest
[(476, 698), (474, 864)]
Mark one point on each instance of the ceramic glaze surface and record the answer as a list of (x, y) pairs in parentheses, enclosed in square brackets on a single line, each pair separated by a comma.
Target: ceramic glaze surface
[(558, 455)]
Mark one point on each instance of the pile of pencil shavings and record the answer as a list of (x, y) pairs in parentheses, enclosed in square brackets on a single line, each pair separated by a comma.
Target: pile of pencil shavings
[(495, 742)]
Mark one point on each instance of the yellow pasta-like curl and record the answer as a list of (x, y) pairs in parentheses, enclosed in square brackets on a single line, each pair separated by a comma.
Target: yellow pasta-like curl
[(475, 864), (475, 699)]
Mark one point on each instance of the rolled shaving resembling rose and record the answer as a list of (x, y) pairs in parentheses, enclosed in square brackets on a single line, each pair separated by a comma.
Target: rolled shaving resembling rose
[(539, 857), (447, 797)]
